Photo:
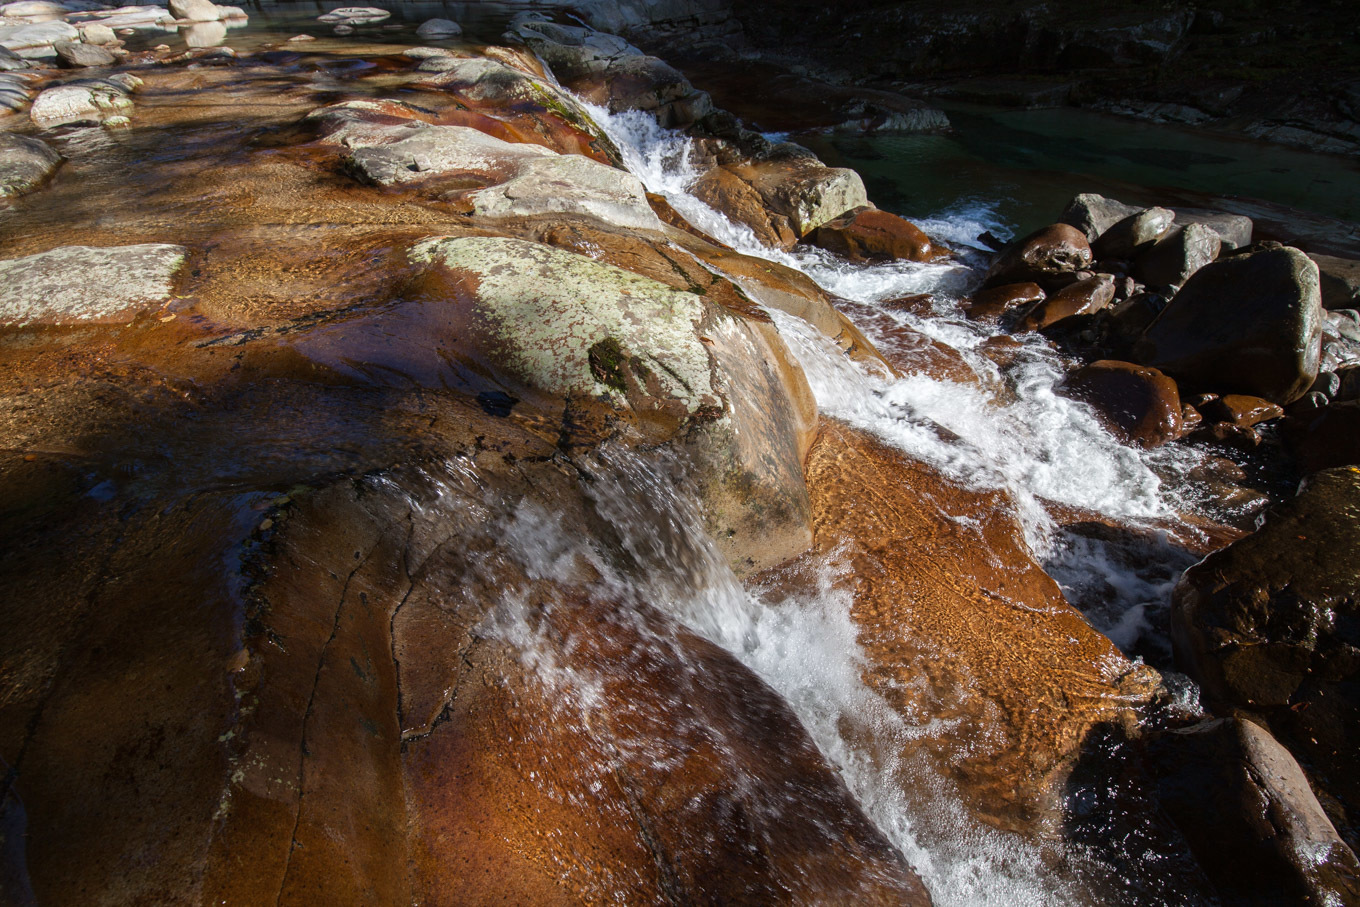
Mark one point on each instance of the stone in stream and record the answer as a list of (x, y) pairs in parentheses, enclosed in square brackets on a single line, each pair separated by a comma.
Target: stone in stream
[(1176, 256), (1325, 435), (1234, 230), (1250, 323), (77, 55), (439, 28), (355, 15), (569, 184), (84, 283), (1093, 214), (1134, 234), (991, 304), (391, 155), (98, 34), (868, 234), (1139, 405), (1046, 253), (86, 100), (623, 348), (1271, 625), (1339, 280), (737, 200), (1240, 409), (1088, 295), (25, 163), (204, 34), (34, 41), (804, 190), (1249, 816), (195, 10)]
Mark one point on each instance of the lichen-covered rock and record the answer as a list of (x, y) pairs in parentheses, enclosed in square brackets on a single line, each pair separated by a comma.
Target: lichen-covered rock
[(1140, 405), (395, 154), (1271, 625), (1037, 258), (1250, 323), (85, 100), (620, 348), (84, 283), (25, 163), (569, 184)]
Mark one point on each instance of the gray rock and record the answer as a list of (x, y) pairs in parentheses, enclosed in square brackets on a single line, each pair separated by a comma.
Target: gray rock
[(195, 10), (84, 283), (1133, 234), (570, 184), (1182, 252), (35, 40), (81, 55), (1234, 230), (1250, 324), (204, 34), (98, 34), (1252, 821), (1094, 214), (15, 92), (25, 163), (86, 100), (439, 28), (355, 15), (10, 61), (392, 154), (1340, 280)]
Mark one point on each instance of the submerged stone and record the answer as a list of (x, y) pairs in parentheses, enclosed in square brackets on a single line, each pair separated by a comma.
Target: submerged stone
[(25, 163), (84, 283)]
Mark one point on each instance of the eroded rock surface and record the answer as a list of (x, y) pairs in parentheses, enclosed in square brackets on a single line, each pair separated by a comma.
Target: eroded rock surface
[(83, 283)]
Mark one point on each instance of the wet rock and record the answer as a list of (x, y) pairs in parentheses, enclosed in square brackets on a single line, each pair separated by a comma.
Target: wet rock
[(195, 10), (1091, 294), (666, 360), (1176, 256), (1340, 281), (1134, 234), (1347, 384), (1139, 405), (1250, 323), (204, 34), (1234, 230), (1269, 625), (25, 163), (1016, 697), (991, 304), (1241, 410), (79, 55), (1093, 214), (82, 101), (569, 184), (724, 191), (34, 40), (392, 155), (439, 28), (98, 34), (1249, 816), (868, 235), (83, 283), (805, 191), (1055, 250)]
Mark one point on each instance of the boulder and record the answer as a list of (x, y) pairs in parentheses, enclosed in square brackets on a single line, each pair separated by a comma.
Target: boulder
[(98, 34), (673, 365), (569, 184), (1088, 295), (84, 283), (1234, 230), (414, 152), (195, 10), (439, 28), (1139, 405), (1253, 823), (1093, 214), (77, 55), (25, 163), (1240, 409), (1339, 279), (1250, 323), (805, 191), (15, 92), (204, 34), (83, 101), (1176, 256), (32, 41), (1051, 251), (991, 304), (1133, 235), (734, 198), (355, 15), (1269, 625), (868, 235)]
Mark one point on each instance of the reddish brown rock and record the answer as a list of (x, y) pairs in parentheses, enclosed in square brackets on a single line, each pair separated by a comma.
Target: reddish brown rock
[(1081, 298), (868, 234), (1241, 410), (1138, 404), (990, 304), (1054, 250), (727, 193)]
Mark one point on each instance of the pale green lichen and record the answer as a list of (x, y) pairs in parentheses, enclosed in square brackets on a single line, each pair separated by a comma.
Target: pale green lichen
[(547, 310)]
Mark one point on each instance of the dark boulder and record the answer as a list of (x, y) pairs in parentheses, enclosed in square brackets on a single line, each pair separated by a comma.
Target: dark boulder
[(1240, 409), (25, 163), (1323, 435), (1271, 625), (1091, 294), (991, 304), (1178, 255), (1055, 250), (1250, 323), (1234, 230), (1249, 816), (1139, 405), (1094, 214), (868, 234), (1339, 279), (1134, 234)]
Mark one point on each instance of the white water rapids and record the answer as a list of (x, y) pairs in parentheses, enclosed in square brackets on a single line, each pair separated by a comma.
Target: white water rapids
[(1038, 447)]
